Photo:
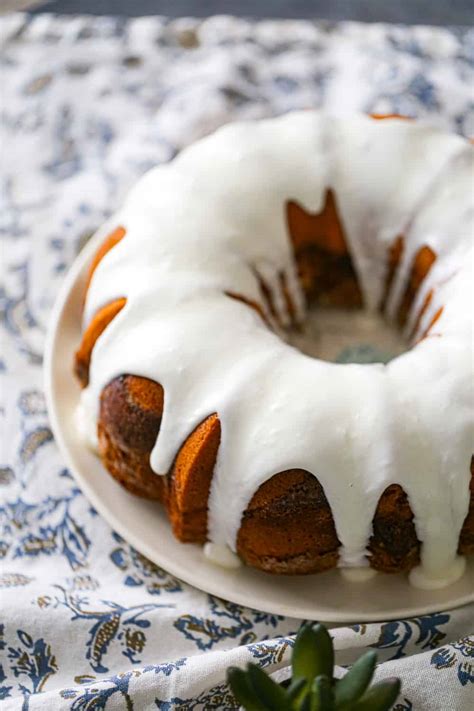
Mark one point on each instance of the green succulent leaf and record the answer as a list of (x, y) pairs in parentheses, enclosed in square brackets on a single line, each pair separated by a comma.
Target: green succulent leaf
[(294, 689), (268, 691), (355, 682), (243, 690), (380, 697), (312, 686), (322, 695), (304, 705), (313, 653)]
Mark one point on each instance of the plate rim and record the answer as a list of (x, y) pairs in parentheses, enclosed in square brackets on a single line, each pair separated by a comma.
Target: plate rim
[(70, 284)]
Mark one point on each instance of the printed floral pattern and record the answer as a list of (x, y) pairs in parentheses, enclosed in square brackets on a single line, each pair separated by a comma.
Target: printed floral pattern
[(32, 659), (226, 621), (141, 571), (458, 656), (425, 631), (86, 622)]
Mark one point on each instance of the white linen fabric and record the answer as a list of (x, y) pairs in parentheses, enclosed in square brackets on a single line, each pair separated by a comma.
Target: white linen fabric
[(87, 105)]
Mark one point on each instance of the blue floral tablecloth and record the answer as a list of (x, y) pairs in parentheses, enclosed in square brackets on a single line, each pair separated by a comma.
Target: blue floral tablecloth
[(87, 105)]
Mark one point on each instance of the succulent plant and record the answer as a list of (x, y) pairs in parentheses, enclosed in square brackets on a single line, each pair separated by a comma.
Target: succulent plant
[(312, 686)]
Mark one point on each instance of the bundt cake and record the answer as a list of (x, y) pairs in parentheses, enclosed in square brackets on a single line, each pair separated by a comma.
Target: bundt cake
[(295, 464)]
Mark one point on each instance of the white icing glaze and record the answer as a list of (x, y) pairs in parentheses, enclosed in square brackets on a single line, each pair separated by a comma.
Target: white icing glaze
[(87, 428), (419, 579), (210, 220), (358, 575), (221, 555)]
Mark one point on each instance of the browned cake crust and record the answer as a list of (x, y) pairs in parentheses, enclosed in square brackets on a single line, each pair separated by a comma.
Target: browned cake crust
[(288, 525), (130, 417)]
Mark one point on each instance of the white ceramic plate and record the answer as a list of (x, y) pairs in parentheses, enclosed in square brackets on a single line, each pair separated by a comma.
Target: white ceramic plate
[(326, 597)]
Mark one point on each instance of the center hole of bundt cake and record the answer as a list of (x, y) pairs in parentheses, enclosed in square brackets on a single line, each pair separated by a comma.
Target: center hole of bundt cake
[(337, 327), (347, 336)]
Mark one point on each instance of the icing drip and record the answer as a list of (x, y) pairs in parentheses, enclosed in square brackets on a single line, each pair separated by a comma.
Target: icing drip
[(222, 555), (358, 575), (420, 579), (87, 428), (212, 222)]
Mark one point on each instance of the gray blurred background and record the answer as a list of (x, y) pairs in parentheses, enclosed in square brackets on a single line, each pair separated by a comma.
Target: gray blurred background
[(432, 12)]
